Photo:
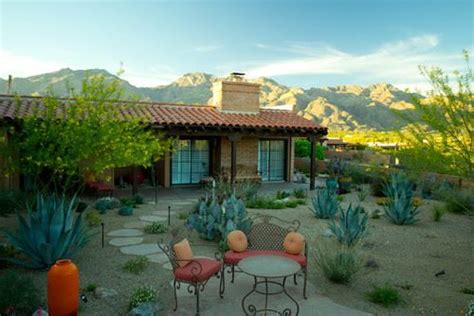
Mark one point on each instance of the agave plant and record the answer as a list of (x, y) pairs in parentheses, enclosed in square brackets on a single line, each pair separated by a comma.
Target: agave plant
[(325, 203), (214, 220), (50, 231), (400, 208), (351, 227)]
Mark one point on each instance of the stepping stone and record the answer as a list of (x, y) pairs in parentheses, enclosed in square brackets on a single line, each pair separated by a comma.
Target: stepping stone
[(158, 258), (153, 218), (126, 232), (135, 225), (182, 203), (126, 241), (163, 213), (140, 250)]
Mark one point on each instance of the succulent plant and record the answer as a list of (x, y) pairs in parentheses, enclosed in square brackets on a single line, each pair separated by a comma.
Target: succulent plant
[(138, 199), (325, 203), (125, 211), (351, 227), (400, 208), (106, 203), (50, 231), (214, 220)]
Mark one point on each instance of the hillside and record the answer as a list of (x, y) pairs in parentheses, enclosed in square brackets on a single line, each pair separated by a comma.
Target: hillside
[(348, 107)]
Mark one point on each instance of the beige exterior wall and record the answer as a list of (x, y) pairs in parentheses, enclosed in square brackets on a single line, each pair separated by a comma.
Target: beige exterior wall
[(247, 156), (236, 96)]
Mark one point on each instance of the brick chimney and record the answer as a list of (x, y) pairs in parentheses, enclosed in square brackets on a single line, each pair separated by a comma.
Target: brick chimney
[(236, 95)]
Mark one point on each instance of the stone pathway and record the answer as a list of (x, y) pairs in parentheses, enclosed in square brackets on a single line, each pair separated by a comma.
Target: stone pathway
[(129, 240)]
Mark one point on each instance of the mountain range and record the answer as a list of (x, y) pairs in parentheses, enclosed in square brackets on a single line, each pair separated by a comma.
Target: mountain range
[(347, 107)]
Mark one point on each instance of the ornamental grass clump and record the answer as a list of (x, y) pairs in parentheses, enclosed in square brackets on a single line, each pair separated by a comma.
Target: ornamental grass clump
[(386, 296), (325, 203), (155, 228), (50, 231), (337, 263), (18, 294), (400, 208), (351, 226), (136, 265)]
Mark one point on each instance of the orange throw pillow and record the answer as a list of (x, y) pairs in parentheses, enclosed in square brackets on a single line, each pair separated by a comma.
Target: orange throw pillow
[(183, 252), (294, 243), (237, 241)]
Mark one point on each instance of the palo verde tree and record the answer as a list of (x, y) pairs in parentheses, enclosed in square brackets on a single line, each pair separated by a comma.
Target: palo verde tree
[(91, 131), (440, 132)]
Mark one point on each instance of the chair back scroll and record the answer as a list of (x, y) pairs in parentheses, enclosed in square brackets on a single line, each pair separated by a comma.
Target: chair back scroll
[(269, 232)]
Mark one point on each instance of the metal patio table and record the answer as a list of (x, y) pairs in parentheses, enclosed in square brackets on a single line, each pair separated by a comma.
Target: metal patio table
[(267, 270)]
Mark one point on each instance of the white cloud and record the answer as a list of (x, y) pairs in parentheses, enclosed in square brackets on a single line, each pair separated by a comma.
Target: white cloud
[(393, 62), (24, 66)]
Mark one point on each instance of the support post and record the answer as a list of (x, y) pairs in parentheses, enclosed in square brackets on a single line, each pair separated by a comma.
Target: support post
[(134, 181), (312, 172), (233, 157)]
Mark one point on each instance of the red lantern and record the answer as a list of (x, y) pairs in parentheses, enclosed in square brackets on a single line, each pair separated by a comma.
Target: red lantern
[(63, 288)]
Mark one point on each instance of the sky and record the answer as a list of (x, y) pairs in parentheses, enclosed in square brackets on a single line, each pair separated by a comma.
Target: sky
[(297, 43)]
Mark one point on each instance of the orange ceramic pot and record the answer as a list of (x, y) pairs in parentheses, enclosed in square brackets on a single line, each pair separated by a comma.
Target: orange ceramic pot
[(63, 288)]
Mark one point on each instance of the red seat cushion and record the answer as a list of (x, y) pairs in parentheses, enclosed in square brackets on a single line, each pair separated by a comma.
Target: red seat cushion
[(231, 257), (198, 270)]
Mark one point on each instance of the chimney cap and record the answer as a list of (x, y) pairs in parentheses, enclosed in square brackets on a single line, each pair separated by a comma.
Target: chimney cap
[(237, 74)]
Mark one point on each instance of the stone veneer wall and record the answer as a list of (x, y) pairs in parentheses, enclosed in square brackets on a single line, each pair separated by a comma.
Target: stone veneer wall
[(247, 156)]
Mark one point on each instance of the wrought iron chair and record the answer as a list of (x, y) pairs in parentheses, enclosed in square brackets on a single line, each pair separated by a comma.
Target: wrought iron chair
[(266, 237), (195, 274)]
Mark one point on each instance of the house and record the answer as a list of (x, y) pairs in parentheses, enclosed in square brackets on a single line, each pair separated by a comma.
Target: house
[(233, 136)]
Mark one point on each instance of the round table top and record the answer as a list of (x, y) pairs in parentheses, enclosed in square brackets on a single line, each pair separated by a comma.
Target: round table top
[(269, 266)]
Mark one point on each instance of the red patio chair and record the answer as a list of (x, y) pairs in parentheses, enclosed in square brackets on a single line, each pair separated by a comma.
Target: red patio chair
[(196, 273)]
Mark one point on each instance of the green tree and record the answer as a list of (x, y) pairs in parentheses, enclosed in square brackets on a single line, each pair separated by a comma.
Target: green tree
[(303, 149), (439, 136), (87, 132)]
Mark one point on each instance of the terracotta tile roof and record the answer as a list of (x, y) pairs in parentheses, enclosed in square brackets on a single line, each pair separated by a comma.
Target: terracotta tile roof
[(175, 115)]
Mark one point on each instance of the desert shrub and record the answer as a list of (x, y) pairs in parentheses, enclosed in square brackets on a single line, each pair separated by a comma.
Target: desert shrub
[(378, 181), (125, 211), (138, 199), (247, 190), (358, 174), (91, 287), (19, 296), (136, 265), (50, 231), (130, 202), (93, 218), (438, 212), (301, 201), (381, 200), (141, 295), (280, 195), (325, 203), (458, 201), (300, 193), (337, 263), (386, 296), (155, 228), (470, 309), (468, 290), (7, 253), (351, 226), (400, 209), (340, 198), (106, 203), (265, 202), (291, 204), (222, 189)]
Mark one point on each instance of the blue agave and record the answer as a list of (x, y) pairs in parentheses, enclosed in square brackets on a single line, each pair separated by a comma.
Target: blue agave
[(351, 227), (50, 231), (400, 209), (325, 203)]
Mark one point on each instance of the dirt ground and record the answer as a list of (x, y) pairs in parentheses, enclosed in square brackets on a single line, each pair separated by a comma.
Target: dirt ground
[(406, 255)]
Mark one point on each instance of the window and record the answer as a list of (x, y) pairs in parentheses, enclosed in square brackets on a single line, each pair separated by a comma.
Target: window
[(190, 162), (272, 159)]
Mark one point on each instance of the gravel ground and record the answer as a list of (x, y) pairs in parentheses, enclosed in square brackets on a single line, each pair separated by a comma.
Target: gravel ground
[(406, 255)]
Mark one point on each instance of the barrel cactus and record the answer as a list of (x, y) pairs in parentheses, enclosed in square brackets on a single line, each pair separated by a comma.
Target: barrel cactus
[(325, 203), (50, 231), (125, 211), (351, 227)]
